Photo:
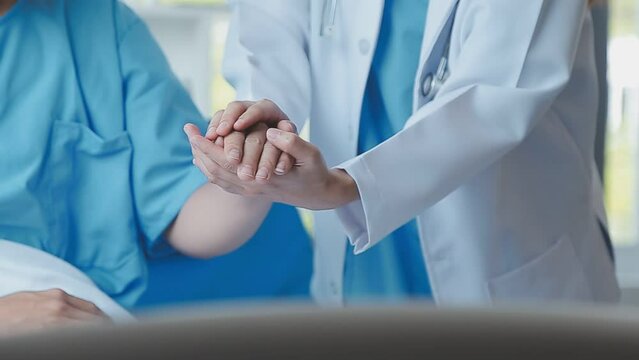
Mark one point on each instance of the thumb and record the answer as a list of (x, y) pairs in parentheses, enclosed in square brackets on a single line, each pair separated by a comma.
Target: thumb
[(292, 144), (191, 130)]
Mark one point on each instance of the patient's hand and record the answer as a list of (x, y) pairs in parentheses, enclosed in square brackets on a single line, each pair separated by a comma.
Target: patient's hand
[(310, 184), (246, 147), (29, 311)]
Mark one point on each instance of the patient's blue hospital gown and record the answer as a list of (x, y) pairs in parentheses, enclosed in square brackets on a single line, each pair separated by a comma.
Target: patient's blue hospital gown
[(93, 162)]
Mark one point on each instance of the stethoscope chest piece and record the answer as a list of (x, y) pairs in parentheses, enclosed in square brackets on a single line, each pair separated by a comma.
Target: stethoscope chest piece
[(427, 85)]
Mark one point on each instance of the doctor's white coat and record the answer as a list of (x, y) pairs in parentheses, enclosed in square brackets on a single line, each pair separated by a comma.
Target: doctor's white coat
[(498, 168)]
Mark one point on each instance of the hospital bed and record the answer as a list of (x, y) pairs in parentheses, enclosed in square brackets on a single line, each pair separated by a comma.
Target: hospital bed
[(291, 332)]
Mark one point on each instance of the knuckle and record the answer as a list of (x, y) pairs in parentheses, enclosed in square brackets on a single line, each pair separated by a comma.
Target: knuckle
[(57, 307), (290, 141), (288, 126), (267, 102), (235, 105), (315, 153), (233, 139), (58, 294), (215, 120), (231, 147), (254, 140)]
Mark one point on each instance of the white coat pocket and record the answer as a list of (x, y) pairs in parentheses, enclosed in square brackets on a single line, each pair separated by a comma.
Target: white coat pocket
[(556, 275)]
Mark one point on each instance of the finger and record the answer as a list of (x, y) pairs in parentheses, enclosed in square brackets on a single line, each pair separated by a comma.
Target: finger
[(268, 161), (288, 126), (219, 141), (286, 161), (213, 167), (210, 151), (234, 147), (284, 164), (233, 111), (83, 316), (85, 306), (191, 130), (197, 161), (253, 148), (211, 132), (61, 297), (292, 144), (223, 179), (263, 111)]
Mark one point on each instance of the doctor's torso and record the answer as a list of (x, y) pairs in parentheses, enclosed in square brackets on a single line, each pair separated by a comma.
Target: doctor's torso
[(478, 236)]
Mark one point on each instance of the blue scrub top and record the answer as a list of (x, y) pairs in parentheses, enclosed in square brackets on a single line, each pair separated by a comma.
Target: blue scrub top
[(394, 269), (94, 164)]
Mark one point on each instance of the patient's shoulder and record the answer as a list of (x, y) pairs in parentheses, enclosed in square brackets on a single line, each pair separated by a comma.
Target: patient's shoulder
[(101, 15), (125, 18)]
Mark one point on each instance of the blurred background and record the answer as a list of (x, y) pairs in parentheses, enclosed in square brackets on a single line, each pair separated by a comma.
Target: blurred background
[(192, 33)]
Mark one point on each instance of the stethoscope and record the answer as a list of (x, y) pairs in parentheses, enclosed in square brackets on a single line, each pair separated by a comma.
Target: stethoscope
[(329, 13), (435, 78)]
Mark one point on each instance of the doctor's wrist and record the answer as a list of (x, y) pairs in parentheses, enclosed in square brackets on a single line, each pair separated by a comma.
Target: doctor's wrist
[(342, 188)]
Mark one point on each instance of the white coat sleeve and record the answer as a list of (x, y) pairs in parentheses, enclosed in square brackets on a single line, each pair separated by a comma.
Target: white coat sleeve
[(515, 58), (266, 54)]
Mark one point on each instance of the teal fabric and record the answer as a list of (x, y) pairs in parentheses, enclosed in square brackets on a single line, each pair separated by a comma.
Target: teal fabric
[(394, 269), (94, 162), (247, 274)]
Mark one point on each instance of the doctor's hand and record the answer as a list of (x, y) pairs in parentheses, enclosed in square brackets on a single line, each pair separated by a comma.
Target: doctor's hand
[(29, 311), (247, 148), (310, 184)]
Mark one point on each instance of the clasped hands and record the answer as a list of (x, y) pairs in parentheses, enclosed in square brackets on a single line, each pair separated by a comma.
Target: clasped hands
[(252, 149)]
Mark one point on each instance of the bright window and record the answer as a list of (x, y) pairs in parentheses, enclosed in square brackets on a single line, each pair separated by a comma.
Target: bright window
[(161, 12), (622, 157)]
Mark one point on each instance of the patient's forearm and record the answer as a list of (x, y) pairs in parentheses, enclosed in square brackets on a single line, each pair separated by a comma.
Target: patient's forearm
[(214, 223)]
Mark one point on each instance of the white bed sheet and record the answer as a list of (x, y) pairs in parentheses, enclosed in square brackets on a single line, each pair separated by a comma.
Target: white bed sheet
[(23, 268)]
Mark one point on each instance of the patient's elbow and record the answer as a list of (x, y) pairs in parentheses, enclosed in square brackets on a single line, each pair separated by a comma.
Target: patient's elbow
[(208, 247)]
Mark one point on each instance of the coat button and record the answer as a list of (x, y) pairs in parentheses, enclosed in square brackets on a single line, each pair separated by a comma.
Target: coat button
[(334, 289), (364, 46), (427, 85)]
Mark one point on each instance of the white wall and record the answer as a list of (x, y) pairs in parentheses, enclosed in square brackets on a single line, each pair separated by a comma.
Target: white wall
[(185, 35)]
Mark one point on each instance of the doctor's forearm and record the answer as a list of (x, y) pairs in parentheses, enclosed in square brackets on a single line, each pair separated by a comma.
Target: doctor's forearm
[(213, 222)]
